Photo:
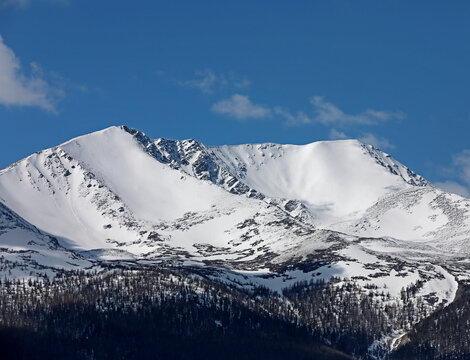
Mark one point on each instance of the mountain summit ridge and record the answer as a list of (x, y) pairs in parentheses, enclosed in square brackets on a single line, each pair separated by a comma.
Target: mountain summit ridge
[(325, 183), (118, 195), (248, 215)]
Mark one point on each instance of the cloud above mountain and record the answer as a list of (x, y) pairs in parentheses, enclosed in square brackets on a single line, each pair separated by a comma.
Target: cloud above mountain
[(328, 114), (208, 81), (241, 107), (367, 138), (453, 187), (377, 141), (460, 170), (461, 162), (324, 113), (17, 88)]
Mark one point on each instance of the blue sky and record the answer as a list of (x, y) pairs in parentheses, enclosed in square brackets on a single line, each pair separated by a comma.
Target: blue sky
[(392, 73)]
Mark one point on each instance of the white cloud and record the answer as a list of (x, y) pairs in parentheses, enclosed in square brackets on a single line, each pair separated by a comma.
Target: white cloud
[(240, 107), (292, 119), (18, 89), (367, 138), (459, 169), (240, 83), (453, 187), (337, 135), (378, 142), (205, 81), (461, 162), (208, 81), (17, 3), (327, 113)]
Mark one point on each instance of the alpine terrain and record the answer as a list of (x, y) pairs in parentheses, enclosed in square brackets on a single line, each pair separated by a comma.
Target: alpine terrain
[(116, 245)]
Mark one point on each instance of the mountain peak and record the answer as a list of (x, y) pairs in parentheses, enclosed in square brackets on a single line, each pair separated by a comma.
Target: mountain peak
[(268, 214), (333, 179)]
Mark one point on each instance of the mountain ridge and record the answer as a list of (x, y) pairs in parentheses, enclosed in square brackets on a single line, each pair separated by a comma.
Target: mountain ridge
[(250, 215)]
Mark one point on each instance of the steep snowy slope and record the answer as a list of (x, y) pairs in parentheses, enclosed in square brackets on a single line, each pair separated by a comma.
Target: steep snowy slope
[(116, 194), (424, 214), (119, 191), (336, 180), (105, 195), (26, 251), (256, 214), (351, 187)]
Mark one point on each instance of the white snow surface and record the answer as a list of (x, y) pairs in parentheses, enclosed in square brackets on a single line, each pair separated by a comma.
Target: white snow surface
[(103, 191), (259, 214), (353, 188), (336, 180), (117, 195)]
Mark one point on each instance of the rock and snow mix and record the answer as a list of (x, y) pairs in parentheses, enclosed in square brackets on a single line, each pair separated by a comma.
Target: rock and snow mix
[(266, 214)]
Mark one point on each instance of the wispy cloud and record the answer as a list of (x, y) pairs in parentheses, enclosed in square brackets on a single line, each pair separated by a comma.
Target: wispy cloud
[(240, 107), (297, 118), (324, 113), (328, 114), (239, 83), (59, 2), (208, 81), (337, 135), (461, 163), (459, 169), (367, 138), (22, 4), (14, 3), (160, 73), (19, 89), (378, 142), (453, 187), (205, 81)]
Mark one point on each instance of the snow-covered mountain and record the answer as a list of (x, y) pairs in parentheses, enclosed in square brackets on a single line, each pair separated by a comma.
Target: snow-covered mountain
[(335, 180), (255, 214), (264, 214), (25, 250)]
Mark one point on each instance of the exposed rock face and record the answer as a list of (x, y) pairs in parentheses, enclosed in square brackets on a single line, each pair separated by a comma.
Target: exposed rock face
[(264, 214)]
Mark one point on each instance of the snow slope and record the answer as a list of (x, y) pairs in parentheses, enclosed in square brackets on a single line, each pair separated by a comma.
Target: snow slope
[(254, 214), (105, 195), (425, 215), (354, 188), (26, 251), (336, 180), (273, 214)]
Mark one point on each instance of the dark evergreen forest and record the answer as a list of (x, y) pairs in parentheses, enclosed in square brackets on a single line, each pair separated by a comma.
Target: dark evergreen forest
[(444, 335), (171, 314)]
